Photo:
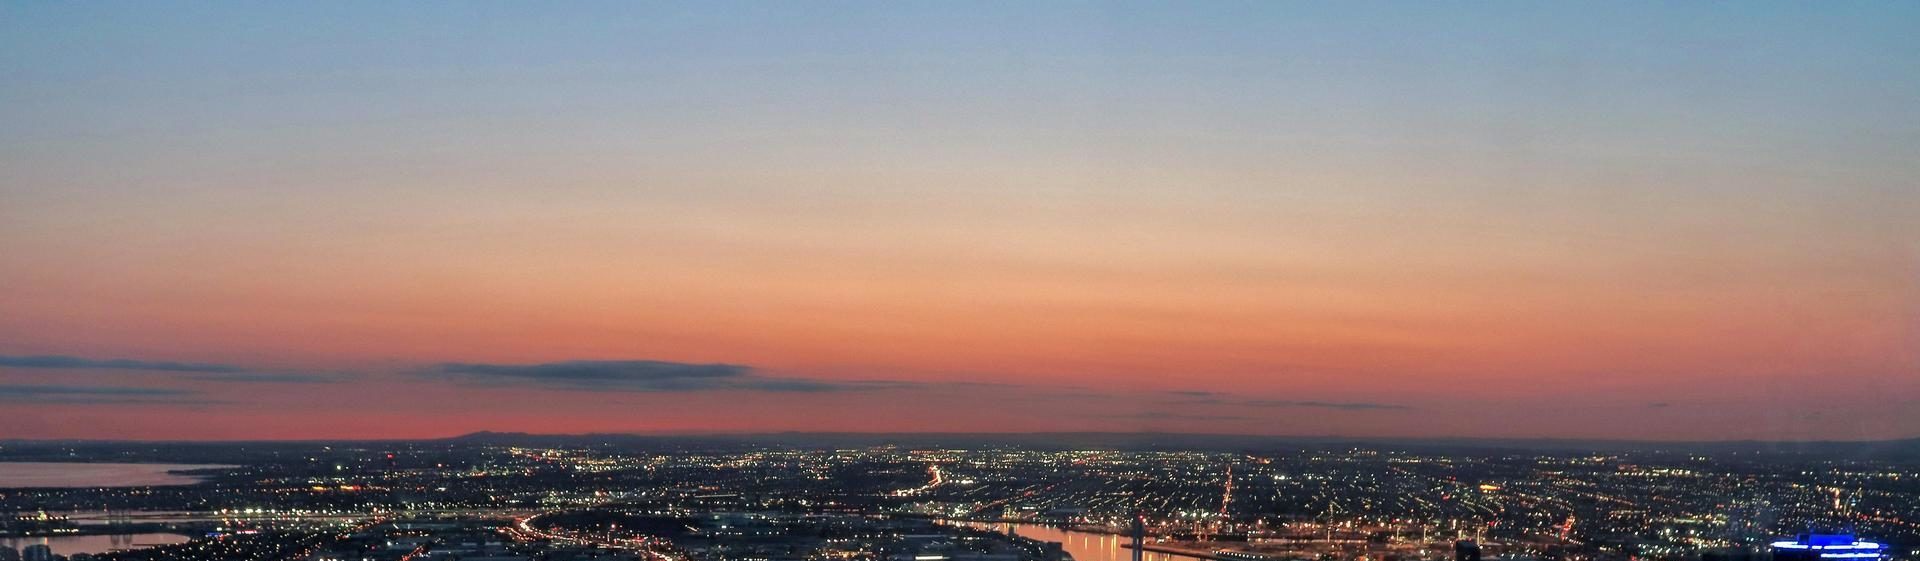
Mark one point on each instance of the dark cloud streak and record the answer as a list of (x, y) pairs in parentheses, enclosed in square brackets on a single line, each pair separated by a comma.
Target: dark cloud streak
[(647, 376), (1341, 405), (1164, 416), (61, 362), (97, 395), (1197, 397), (259, 378)]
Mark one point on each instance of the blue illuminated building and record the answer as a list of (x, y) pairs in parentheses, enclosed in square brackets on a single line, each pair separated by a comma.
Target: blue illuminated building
[(1818, 547)]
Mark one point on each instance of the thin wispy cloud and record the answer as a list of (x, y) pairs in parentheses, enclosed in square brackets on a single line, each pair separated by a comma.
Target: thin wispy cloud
[(1166, 416), (1193, 393), (40, 390), (1341, 405), (648, 376), (95, 395), (62, 362), (1196, 397), (201, 372), (266, 378)]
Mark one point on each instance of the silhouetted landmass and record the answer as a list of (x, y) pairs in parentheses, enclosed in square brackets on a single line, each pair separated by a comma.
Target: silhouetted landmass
[(1902, 448), (199, 451)]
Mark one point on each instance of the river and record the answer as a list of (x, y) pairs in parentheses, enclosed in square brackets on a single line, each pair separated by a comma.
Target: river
[(69, 545), (20, 475), (1083, 546)]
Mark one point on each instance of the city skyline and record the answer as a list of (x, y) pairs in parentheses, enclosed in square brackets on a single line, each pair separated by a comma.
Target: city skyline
[(1631, 221)]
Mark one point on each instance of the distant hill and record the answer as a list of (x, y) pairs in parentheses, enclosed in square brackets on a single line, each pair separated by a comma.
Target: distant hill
[(1882, 449), (1904, 449)]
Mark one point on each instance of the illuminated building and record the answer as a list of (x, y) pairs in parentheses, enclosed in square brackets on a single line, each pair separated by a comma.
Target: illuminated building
[(1830, 547)]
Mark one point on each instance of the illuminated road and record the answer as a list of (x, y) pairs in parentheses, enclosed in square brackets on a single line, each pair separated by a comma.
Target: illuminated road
[(933, 471)]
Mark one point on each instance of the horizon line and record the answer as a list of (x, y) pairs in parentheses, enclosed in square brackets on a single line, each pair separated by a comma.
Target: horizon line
[(982, 434)]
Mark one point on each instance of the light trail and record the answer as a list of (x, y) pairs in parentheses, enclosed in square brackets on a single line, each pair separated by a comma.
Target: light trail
[(933, 471), (1226, 497)]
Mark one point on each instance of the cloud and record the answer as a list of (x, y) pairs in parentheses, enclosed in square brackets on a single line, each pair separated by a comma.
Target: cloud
[(648, 376), (1341, 405), (32, 390), (182, 370), (259, 378), (91, 395), (74, 362), (1163, 416), (1658, 405), (601, 370), (1198, 397)]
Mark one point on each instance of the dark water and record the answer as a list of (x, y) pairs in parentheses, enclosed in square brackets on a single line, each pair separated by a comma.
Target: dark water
[(1083, 546), (69, 545), (59, 474)]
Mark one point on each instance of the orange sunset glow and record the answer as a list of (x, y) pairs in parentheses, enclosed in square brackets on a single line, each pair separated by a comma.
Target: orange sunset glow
[(935, 218)]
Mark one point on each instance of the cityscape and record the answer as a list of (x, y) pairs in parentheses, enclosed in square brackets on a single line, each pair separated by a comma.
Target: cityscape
[(959, 280), (519, 497)]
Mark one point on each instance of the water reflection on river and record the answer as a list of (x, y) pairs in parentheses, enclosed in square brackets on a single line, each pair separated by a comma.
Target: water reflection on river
[(69, 545), (1083, 546), (68, 474)]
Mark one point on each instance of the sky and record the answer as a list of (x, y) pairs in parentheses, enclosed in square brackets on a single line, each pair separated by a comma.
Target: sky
[(1623, 220)]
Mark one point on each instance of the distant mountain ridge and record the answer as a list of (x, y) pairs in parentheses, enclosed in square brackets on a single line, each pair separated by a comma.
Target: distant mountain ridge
[(1896, 449)]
